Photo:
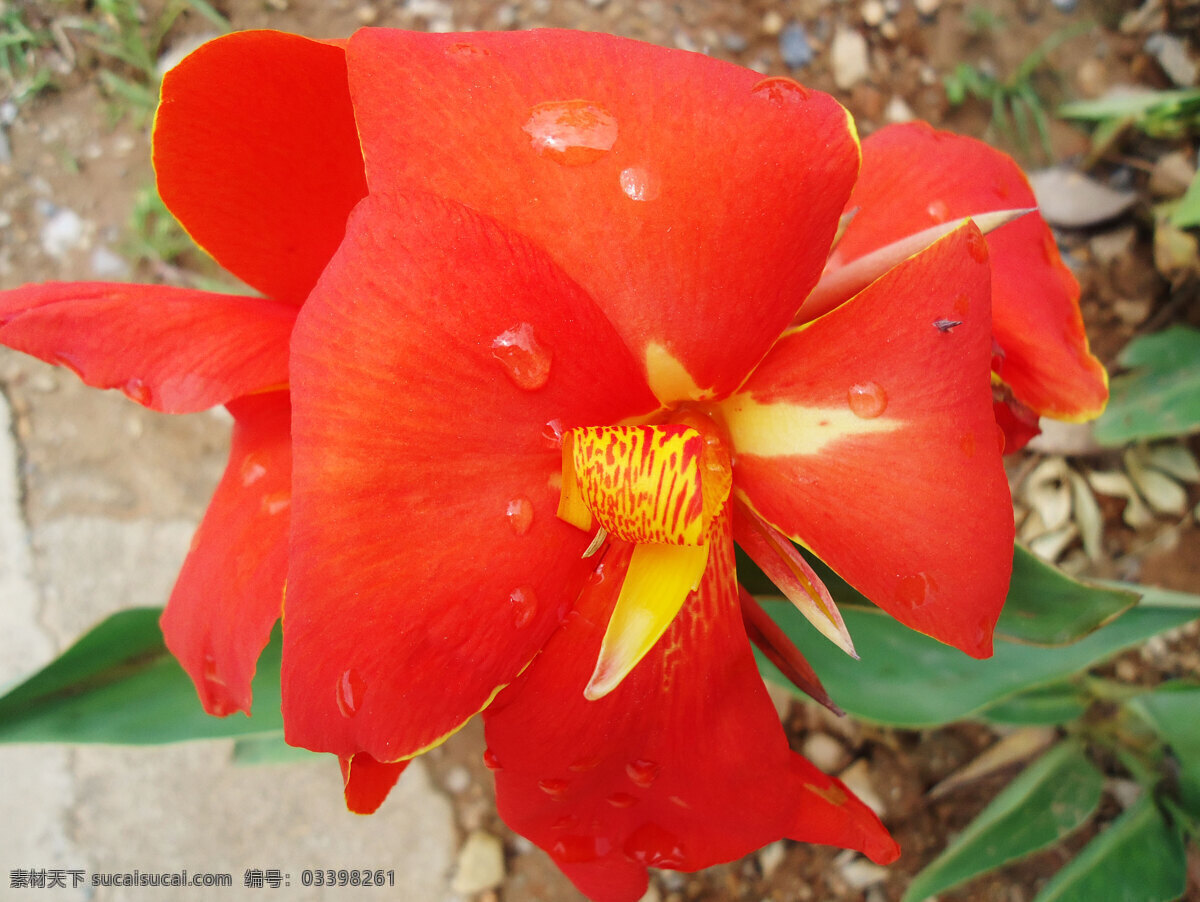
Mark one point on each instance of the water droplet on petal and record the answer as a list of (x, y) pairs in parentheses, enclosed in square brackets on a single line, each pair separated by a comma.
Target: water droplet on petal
[(252, 470), (654, 847), (491, 760), (583, 765), (137, 390), (216, 698), (622, 800), (643, 773), (867, 400), (556, 789), (552, 432), (466, 49), (350, 690), (520, 515), (640, 184), (977, 247), (580, 849), (938, 211), (780, 90), (276, 503), (566, 822), (524, 605), (571, 132), (525, 360), (596, 577), (913, 591)]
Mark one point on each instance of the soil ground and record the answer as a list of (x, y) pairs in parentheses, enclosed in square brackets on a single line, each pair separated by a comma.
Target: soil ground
[(82, 149)]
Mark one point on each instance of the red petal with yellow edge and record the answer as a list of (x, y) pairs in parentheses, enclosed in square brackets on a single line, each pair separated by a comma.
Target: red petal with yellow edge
[(170, 349), (368, 781), (688, 196), (432, 367), (868, 435), (230, 590), (257, 155), (914, 177), (682, 766), (774, 644)]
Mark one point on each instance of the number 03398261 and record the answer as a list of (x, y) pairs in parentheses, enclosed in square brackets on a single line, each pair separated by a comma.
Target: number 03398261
[(343, 877)]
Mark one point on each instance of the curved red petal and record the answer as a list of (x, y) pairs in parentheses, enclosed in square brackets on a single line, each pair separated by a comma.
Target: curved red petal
[(682, 766), (868, 435), (170, 349), (689, 197), (230, 591), (432, 367), (257, 155), (368, 781), (914, 177)]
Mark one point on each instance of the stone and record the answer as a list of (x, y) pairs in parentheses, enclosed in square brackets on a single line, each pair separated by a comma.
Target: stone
[(849, 58), (825, 752), (480, 863), (898, 110), (771, 857), (62, 233), (772, 24), (1172, 55), (873, 13), (795, 47), (857, 778)]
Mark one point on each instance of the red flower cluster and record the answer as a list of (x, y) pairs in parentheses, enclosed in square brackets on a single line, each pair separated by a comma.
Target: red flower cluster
[(551, 319)]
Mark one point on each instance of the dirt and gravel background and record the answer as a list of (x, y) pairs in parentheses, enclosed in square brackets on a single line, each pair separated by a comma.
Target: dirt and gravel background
[(101, 495)]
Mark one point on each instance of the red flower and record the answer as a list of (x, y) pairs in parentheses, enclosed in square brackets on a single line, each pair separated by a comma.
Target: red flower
[(565, 302)]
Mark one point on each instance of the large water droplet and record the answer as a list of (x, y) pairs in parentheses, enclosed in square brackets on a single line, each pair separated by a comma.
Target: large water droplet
[(867, 400), (139, 391), (780, 90), (580, 849), (642, 773), (552, 432), (571, 132), (640, 184), (596, 577), (583, 765), (566, 822), (524, 605), (555, 788), (252, 469), (524, 358), (350, 691), (491, 760), (912, 591), (622, 800), (520, 515), (276, 503), (654, 847)]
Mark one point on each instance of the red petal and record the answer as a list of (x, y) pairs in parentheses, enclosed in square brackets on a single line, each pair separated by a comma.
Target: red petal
[(171, 349), (368, 781), (913, 177), (230, 590), (710, 212), (257, 155), (682, 766), (1018, 423), (428, 565), (868, 436)]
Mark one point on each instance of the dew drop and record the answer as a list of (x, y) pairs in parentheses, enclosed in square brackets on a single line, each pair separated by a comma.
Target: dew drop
[(583, 765), (520, 515), (977, 247), (596, 577), (913, 591), (938, 211), (642, 773), (571, 132), (622, 800), (552, 432), (654, 847), (556, 789), (580, 849), (566, 822), (350, 690), (524, 605), (138, 390), (780, 90), (252, 470), (640, 184), (276, 503), (867, 400), (524, 358), (491, 760)]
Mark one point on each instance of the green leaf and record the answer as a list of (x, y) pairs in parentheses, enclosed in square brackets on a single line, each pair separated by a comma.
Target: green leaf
[(119, 684), (1173, 711), (1132, 104), (1187, 214), (1051, 797), (1047, 607), (1161, 396), (907, 679), (269, 749), (1139, 858), (1044, 706)]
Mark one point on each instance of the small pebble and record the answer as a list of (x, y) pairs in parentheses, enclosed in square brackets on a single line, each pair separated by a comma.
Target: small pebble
[(927, 8), (457, 779), (480, 864), (772, 24), (107, 265), (794, 46), (873, 13), (858, 778), (825, 752), (897, 110), (366, 14), (506, 16), (735, 41), (62, 233), (1172, 54), (771, 857), (849, 58), (1065, 6)]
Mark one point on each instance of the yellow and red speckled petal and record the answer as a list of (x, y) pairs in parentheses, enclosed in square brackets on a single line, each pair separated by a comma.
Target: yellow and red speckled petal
[(682, 766), (868, 435), (433, 368), (368, 781), (691, 198)]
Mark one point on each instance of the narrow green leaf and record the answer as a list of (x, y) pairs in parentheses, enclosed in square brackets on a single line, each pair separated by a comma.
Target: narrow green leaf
[(1160, 397), (1131, 104), (1047, 607), (1044, 706), (269, 748), (910, 680), (1050, 798), (119, 684), (1173, 711), (1139, 858), (1187, 214)]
